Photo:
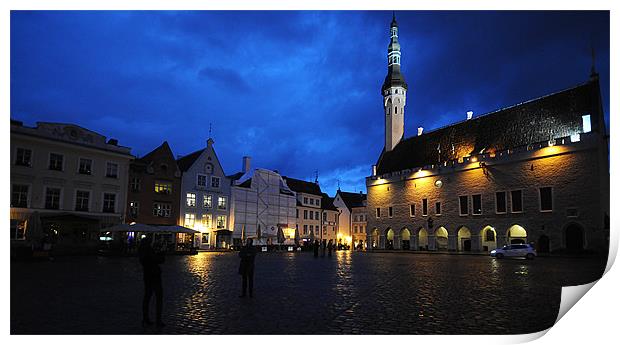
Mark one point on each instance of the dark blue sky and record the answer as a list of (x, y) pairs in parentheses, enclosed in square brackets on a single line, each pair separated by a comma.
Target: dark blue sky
[(297, 91)]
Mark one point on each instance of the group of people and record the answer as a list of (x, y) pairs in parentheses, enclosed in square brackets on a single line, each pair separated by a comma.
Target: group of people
[(324, 246)]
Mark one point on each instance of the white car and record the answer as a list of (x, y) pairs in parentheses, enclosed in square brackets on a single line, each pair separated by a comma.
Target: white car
[(517, 250)]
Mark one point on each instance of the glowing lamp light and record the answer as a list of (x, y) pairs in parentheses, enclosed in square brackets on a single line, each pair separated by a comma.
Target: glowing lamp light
[(575, 138), (474, 159), (551, 142)]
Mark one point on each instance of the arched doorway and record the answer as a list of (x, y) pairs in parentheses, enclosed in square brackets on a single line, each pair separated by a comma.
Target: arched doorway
[(488, 238), (574, 238), (405, 239), (423, 239), (516, 234), (463, 239), (389, 239), (441, 238), (374, 238), (543, 244)]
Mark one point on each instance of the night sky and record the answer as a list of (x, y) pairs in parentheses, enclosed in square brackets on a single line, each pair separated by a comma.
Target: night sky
[(296, 91)]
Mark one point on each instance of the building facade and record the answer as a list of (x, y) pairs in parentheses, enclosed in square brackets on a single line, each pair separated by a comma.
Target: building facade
[(205, 203), (264, 208), (359, 218), (309, 211), (536, 172), (68, 182), (154, 188), (330, 220), (352, 219)]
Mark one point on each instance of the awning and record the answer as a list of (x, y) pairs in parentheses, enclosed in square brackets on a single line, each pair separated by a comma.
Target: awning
[(176, 228)]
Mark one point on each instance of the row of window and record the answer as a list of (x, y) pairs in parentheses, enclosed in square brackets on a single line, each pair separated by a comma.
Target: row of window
[(312, 229), (359, 218), (190, 221), (545, 197), (207, 201), (19, 198), (23, 157), (312, 201), (159, 209), (201, 181), (311, 214), (361, 228)]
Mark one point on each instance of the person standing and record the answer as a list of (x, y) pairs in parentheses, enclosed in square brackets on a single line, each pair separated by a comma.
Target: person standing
[(315, 248), (150, 260), (330, 246), (246, 267), (323, 247)]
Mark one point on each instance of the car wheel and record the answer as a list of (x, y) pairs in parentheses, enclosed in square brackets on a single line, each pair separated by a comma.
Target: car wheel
[(529, 256), (499, 255)]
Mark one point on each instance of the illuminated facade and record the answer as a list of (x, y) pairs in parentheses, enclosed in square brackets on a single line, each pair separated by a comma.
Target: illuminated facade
[(536, 172), (205, 203), (352, 219), (308, 211)]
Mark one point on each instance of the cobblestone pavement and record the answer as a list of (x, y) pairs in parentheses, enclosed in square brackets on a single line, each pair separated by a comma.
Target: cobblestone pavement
[(295, 293)]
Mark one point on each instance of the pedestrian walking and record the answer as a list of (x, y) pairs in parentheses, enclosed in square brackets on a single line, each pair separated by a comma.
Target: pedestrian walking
[(150, 260), (330, 247), (315, 248), (323, 247), (246, 267)]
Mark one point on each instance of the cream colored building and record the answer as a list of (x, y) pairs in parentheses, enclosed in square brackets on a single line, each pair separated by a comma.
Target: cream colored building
[(308, 214), (70, 178), (352, 216)]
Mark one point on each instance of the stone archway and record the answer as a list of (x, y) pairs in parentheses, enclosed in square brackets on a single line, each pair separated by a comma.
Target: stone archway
[(543, 244), (422, 239), (488, 238), (574, 236), (389, 239), (463, 239), (516, 234), (405, 239), (374, 239), (441, 238)]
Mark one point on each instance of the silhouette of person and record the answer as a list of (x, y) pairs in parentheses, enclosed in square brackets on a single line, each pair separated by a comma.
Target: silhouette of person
[(246, 267), (150, 260), (330, 247), (315, 247), (323, 246)]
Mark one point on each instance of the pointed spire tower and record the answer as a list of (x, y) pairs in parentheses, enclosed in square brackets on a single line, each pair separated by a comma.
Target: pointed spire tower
[(394, 91)]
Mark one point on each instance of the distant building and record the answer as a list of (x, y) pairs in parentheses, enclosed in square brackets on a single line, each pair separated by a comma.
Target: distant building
[(264, 207), (154, 188), (308, 213), (67, 183), (536, 172), (352, 220), (329, 221), (205, 203)]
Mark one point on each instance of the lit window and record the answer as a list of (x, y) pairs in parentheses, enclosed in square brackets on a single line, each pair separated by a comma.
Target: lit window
[(18, 229), (161, 209), (55, 161), (163, 187), (207, 201), (19, 195), (516, 201), (52, 198), (425, 207), (109, 203), (191, 200), (575, 138), (587, 126), (190, 219), (215, 182), (221, 202), (221, 222), (23, 157), (85, 166), (206, 221), (500, 202), (546, 199), (476, 201), (111, 170)]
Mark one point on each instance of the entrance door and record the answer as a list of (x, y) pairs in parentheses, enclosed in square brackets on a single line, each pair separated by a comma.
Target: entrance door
[(467, 245), (574, 238)]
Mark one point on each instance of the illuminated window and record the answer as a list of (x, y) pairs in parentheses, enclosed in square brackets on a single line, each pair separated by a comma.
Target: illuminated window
[(19, 195), (23, 157), (52, 198), (221, 202), (516, 201), (390, 212), (412, 210), (81, 200), (190, 200), (111, 170), (207, 201), (163, 187), (18, 229), (134, 208), (476, 201), (425, 207), (206, 221), (190, 219), (109, 203), (202, 180), (587, 126), (463, 205), (161, 209), (56, 161), (85, 166), (546, 199), (215, 182), (500, 202), (575, 138), (220, 222), (438, 208)]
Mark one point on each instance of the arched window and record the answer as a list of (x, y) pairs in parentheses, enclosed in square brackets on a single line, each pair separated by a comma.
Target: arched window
[(395, 110), (490, 236)]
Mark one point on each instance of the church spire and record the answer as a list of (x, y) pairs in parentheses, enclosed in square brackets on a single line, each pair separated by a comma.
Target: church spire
[(394, 77)]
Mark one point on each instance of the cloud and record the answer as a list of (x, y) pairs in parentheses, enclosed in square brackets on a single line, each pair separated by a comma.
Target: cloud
[(225, 77)]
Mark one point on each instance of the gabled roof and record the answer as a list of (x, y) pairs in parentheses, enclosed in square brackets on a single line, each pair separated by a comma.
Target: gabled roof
[(552, 116), (163, 147), (186, 162), (352, 199), (327, 203), (301, 186)]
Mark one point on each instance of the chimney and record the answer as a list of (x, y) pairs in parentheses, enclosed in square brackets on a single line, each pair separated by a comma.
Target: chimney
[(113, 142), (470, 114), (374, 170), (245, 166), (420, 129)]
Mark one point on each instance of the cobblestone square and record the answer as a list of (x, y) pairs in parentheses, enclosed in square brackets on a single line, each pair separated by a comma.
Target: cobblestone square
[(295, 293)]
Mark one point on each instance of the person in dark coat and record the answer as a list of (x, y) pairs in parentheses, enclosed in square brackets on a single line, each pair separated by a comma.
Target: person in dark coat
[(330, 247), (315, 247), (150, 260), (246, 267), (323, 247)]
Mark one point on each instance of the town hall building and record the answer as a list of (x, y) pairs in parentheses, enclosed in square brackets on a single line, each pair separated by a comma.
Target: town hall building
[(536, 172)]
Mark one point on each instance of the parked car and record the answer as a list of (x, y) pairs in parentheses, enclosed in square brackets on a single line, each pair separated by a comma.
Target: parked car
[(516, 250)]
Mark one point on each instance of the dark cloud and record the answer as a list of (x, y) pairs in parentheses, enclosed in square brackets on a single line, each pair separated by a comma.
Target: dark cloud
[(299, 91)]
